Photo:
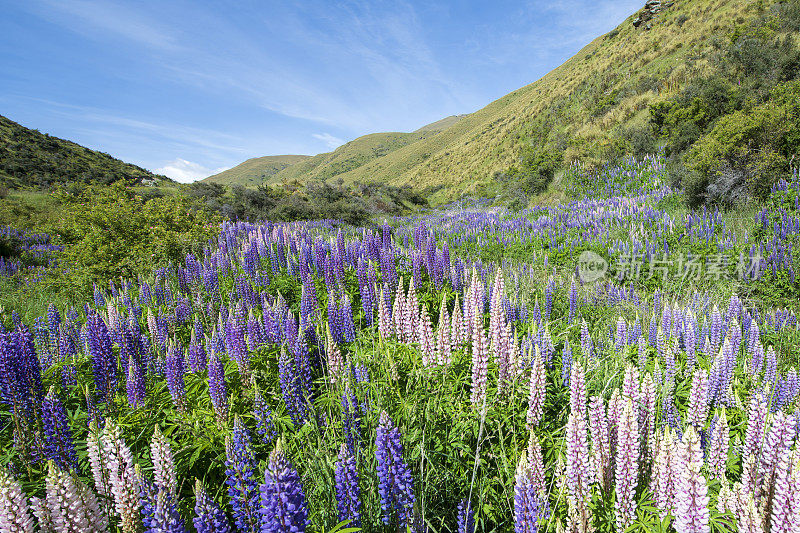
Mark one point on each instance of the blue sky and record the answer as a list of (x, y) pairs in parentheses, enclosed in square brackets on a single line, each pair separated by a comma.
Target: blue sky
[(187, 88)]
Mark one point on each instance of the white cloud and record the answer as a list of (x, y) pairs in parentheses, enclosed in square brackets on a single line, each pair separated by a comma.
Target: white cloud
[(186, 171), (329, 140)]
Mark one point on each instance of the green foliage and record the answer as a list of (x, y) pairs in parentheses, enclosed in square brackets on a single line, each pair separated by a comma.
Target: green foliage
[(111, 232), (29, 158)]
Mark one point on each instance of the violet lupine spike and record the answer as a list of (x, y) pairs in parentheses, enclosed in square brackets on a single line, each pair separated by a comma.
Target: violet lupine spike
[(175, 368), (264, 423), (348, 492), (529, 507), (15, 517), (620, 335), (209, 517), (717, 451), (122, 478), (159, 509), (104, 363), (697, 411), (573, 301), (164, 473), (537, 391), (627, 466), (586, 342), (691, 491), (283, 502), (395, 483), (72, 505), (566, 362), (217, 388), (465, 517), (240, 471), (58, 443)]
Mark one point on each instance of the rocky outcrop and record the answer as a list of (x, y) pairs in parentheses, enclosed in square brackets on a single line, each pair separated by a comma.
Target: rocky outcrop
[(650, 10)]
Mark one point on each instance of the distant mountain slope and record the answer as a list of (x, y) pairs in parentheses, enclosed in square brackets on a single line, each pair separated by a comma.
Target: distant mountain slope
[(329, 165), (29, 158), (575, 109), (256, 170)]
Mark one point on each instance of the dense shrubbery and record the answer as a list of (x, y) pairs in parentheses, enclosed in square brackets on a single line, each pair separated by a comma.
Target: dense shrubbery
[(736, 131), (318, 200), (111, 232)]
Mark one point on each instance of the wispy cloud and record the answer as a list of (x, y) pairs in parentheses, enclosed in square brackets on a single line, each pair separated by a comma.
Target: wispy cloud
[(329, 140), (186, 171)]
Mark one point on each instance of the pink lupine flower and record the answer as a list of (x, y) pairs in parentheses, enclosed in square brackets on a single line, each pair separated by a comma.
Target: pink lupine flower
[(497, 314), (502, 354), (537, 391), (748, 515), (627, 466), (750, 474), (425, 338), (398, 311), (336, 366), (691, 495), (411, 314), (444, 343), (601, 445), (697, 411), (163, 463), (122, 476), (577, 389), (578, 469), (717, 455), (72, 505), (615, 407), (630, 385), (40, 510), (780, 437), (756, 423), (781, 512), (480, 360), (15, 517), (536, 462), (98, 461), (458, 334), (666, 468), (647, 416), (385, 324)]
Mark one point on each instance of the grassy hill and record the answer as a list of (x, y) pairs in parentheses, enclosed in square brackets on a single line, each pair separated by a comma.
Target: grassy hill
[(590, 108), (329, 165), (256, 170), (29, 158)]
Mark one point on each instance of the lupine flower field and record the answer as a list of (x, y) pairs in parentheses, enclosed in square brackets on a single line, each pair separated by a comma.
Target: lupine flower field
[(453, 371)]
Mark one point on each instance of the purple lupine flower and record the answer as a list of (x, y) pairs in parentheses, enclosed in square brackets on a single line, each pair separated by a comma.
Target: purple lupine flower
[(240, 468), (58, 444), (348, 492), (566, 362), (217, 388), (465, 517), (620, 336), (691, 500), (573, 301), (175, 368), (771, 366), (135, 385), (351, 421), (198, 359), (264, 424), (289, 382), (104, 364), (159, 510), (14, 513), (627, 466), (395, 483), (283, 502), (715, 333), (529, 507), (236, 347), (209, 517)]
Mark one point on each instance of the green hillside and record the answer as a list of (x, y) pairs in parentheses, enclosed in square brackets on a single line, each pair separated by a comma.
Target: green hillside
[(256, 171), (329, 165), (29, 158)]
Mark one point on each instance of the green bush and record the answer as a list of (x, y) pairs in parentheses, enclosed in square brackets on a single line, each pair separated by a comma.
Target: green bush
[(110, 232)]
